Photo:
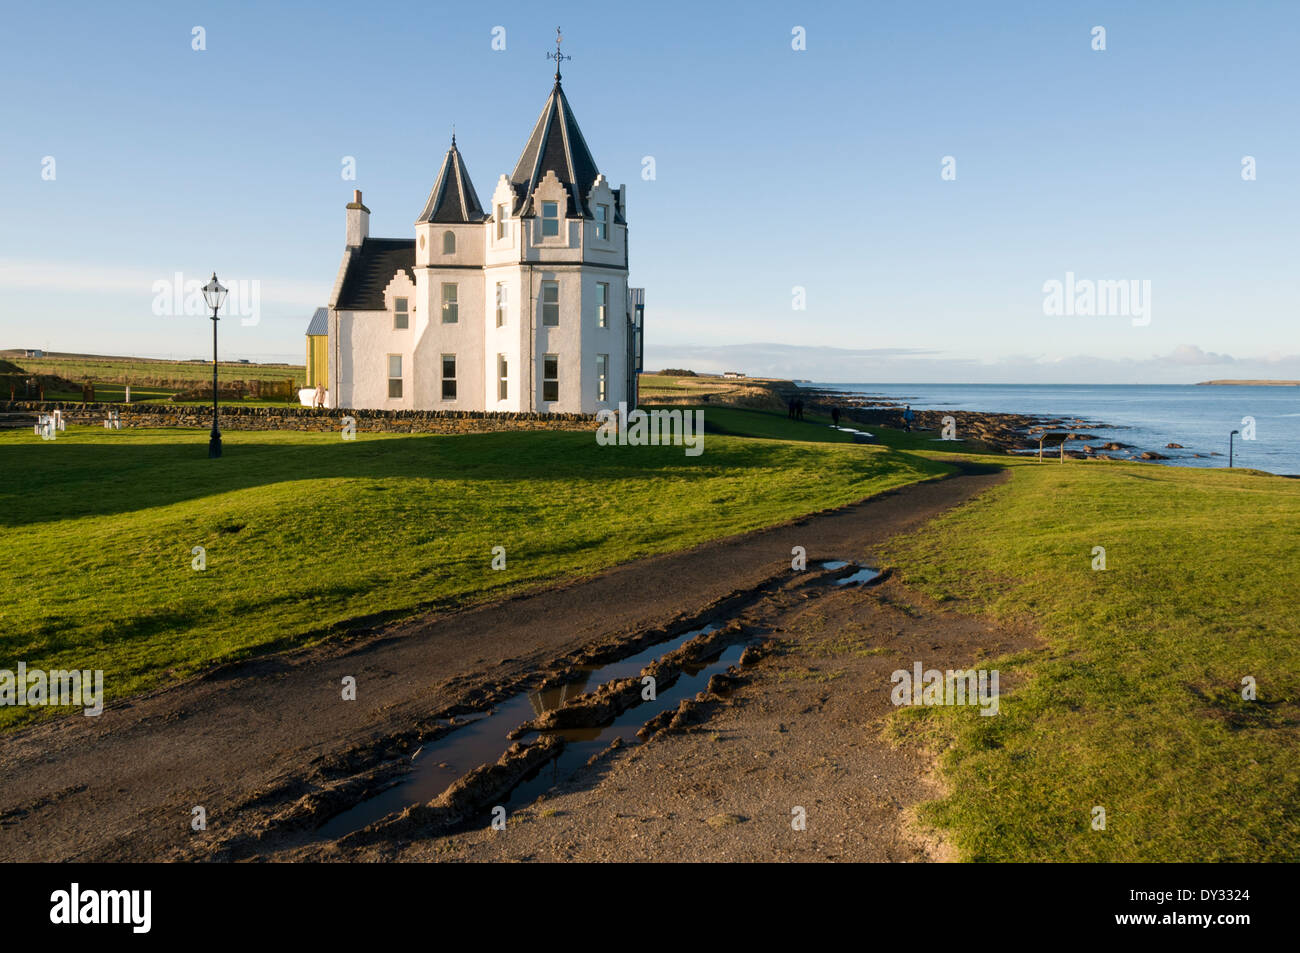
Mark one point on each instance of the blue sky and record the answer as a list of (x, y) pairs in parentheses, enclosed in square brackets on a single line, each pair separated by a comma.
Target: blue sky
[(775, 169)]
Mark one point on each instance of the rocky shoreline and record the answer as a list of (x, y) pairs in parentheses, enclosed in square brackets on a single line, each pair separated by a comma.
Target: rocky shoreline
[(1004, 433)]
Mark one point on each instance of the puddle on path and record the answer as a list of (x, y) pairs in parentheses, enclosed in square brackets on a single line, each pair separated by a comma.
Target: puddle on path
[(581, 743), (482, 741), (859, 578), (864, 575)]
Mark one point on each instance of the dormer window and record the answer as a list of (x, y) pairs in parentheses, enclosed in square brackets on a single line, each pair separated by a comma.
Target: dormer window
[(449, 243), (550, 218), (401, 314), (602, 222), (501, 222)]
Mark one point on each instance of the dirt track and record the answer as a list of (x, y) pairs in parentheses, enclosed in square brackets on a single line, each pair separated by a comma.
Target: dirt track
[(268, 746)]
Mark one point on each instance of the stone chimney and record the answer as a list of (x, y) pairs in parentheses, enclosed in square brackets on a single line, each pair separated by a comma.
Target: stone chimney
[(358, 220)]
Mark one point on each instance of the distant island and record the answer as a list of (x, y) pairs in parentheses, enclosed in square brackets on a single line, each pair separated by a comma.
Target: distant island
[(1252, 383)]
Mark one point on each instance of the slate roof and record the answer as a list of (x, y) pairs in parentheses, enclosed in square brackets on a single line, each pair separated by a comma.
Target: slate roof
[(371, 268), (556, 145), (319, 323), (453, 199)]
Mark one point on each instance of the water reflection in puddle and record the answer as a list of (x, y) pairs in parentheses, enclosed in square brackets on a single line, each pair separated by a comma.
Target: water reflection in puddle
[(859, 578), (582, 743), (441, 762), (864, 574)]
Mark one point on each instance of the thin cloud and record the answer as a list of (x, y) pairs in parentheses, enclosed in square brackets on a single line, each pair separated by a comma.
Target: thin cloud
[(915, 365), (18, 274)]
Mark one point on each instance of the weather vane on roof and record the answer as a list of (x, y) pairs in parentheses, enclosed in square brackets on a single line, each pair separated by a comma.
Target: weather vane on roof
[(557, 55)]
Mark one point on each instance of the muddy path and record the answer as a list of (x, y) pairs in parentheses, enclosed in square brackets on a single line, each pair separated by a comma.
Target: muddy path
[(270, 750), (786, 757)]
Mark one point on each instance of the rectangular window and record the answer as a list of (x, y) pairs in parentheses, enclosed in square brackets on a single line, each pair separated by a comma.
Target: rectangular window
[(602, 221), (394, 375), (401, 314), (602, 304), (449, 377), (501, 304), (602, 377), (449, 303), (501, 221), (550, 218), (551, 304), (551, 377), (503, 389)]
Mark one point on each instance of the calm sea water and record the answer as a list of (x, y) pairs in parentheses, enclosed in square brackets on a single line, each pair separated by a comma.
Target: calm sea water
[(1200, 418)]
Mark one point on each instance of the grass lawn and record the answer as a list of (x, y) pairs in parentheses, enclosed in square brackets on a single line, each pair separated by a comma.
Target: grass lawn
[(1135, 703), (306, 533)]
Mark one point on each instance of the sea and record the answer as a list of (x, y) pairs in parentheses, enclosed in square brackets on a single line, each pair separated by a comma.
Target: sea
[(1200, 417)]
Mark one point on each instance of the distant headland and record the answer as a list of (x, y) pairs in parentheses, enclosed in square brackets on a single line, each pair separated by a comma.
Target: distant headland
[(1251, 383)]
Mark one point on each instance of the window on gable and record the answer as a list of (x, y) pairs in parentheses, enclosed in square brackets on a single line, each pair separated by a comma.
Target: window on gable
[(550, 304), (551, 377), (449, 377), (550, 218), (401, 314), (602, 221), (449, 242), (394, 375), (501, 221), (449, 313)]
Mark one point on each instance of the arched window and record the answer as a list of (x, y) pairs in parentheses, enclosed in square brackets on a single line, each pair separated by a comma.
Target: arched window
[(449, 243)]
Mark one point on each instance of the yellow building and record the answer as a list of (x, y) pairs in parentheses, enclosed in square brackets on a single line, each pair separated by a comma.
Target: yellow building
[(318, 349)]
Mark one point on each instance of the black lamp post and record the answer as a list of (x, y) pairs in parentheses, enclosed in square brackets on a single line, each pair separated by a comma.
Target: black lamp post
[(1230, 436), (215, 295)]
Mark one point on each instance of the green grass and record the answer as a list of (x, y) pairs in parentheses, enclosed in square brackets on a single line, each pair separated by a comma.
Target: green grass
[(306, 533), (156, 373), (666, 384), (1134, 702), (776, 425), (116, 393), (151, 381)]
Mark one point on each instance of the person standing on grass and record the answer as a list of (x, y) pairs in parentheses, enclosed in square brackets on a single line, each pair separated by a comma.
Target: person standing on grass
[(835, 417), (907, 417), (318, 399)]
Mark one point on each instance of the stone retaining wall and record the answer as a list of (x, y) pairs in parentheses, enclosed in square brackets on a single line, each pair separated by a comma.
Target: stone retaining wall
[(302, 418)]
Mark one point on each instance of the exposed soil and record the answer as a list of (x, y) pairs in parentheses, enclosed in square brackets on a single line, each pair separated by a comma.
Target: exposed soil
[(800, 727), (271, 751)]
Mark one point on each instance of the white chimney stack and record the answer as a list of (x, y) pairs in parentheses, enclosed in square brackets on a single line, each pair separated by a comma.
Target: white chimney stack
[(358, 220)]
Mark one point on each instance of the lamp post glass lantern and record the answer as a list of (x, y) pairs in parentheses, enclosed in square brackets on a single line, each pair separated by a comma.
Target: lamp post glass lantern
[(214, 293)]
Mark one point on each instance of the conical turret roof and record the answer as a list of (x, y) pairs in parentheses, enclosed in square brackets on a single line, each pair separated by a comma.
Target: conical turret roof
[(556, 145), (453, 199)]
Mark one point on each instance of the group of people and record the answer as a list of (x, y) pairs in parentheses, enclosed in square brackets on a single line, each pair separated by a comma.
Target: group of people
[(796, 411)]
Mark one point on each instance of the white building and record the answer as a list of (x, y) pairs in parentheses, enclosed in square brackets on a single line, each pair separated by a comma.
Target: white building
[(524, 306)]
